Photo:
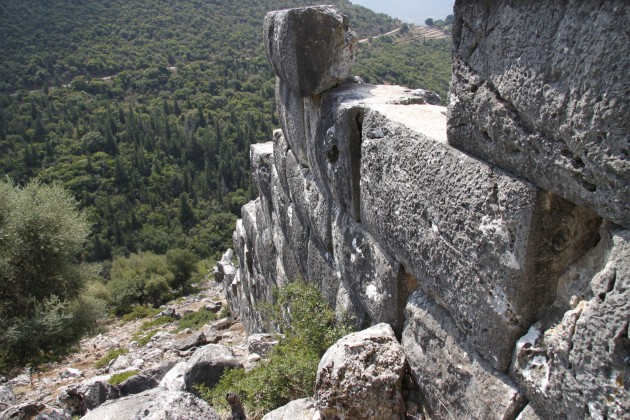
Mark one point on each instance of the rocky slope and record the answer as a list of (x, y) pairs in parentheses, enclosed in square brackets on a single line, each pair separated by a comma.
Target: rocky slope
[(492, 235)]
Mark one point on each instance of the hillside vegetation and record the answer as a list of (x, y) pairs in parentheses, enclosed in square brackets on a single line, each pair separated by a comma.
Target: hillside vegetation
[(144, 112)]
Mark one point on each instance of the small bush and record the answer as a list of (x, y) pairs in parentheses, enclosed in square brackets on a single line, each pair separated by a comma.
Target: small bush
[(140, 311), (119, 378), (196, 319), (111, 355), (310, 327), (156, 323)]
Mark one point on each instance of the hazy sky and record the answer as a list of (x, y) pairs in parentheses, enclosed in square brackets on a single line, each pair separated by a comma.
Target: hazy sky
[(415, 11)]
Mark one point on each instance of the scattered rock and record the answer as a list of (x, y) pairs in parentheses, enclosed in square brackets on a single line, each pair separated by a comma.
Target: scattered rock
[(174, 378), (154, 404), (222, 324), (53, 414), (361, 376), (197, 339), (6, 395), (119, 363), (208, 364), (214, 307), (89, 394), (261, 343), (71, 373)]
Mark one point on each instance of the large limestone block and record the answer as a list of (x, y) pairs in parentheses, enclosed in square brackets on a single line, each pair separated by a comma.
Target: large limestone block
[(487, 245), (360, 376), (311, 48), (154, 404), (455, 381), (577, 367), (313, 207), (369, 271), (290, 107), (541, 89), (294, 233), (261, 161)]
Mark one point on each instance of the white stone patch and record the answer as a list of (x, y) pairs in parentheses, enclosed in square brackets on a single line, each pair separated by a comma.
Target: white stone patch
[(495, 227), (372, 293), (537, 372), (508, 259), (498, 301), (434, 227), (530, 338)]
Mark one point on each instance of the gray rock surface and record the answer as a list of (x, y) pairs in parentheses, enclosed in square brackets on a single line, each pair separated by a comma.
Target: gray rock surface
[(147, 379), (578, 367), (6, 395), (196, 339), (174, 378), (488, 246), (87, 395), (290, 107), (208, 364), (298, 409), (154, 404), (540, 89), (311, 48), (454, 380), (261, 343), (361, 376)]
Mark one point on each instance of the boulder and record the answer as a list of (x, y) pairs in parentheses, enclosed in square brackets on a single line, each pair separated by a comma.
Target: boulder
[(173, 380), (537, 91), (53, 414), (214, 307), (71, 373), (197, 339), (361, 376), (310, 48), (147, 379), (120, 363), (208, 364), (154, 404), (577, 366), (454, 381), (304, 408), (261, 343), (86, 395)]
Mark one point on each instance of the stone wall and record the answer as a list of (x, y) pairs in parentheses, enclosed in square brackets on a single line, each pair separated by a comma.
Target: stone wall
[(493, 237)]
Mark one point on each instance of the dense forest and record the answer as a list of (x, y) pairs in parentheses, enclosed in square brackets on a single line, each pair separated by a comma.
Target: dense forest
[(145, 110)]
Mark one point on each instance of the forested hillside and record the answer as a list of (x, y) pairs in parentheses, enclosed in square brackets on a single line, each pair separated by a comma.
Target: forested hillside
[(145, 110)]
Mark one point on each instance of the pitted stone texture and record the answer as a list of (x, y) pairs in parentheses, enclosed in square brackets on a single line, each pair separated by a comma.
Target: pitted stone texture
[(154, 404), (313, 207), (311, 48), (280, 149), (578, 367), (540, 89), (323, 271), (261, 162), (455, 382), (290, 107), (369, 271), (361, 376), (488, 246)]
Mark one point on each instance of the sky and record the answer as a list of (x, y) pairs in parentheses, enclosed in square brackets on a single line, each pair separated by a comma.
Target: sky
[(414, 11)]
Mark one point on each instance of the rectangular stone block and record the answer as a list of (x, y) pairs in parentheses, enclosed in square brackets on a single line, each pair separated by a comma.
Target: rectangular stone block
[(488, 246), (541, 90), (454, 381)]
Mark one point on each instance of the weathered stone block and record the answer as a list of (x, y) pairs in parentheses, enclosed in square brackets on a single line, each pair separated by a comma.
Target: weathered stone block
[(261, 161), (540, 89), (323, 271), (369, 271), (360, 376), (455, 381), (311, 48), (291, 115), (578, 367), (312, 206), (280, 149), (487, 245)]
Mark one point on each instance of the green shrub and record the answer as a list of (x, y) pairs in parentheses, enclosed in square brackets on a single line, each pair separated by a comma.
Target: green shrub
[(140, 311), (156, 323), (111, 355), (196, 319), (290, 371), (119, 378)]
